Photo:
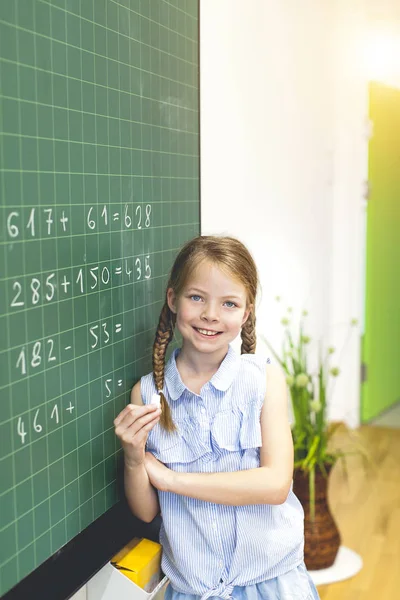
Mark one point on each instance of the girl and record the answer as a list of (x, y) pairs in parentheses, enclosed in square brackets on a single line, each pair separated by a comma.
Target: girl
[(219, 458)]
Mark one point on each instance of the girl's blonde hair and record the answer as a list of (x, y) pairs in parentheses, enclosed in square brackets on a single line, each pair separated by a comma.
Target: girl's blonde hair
[(230, 255)]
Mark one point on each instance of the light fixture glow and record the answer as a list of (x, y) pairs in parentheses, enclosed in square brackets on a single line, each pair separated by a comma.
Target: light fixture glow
[(382, 57)]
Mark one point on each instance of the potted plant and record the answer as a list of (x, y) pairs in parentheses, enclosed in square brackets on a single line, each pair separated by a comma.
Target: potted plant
[(313, 458)]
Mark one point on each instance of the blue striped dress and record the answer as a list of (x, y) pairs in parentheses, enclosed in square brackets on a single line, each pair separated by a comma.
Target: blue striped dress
[(213, 550)]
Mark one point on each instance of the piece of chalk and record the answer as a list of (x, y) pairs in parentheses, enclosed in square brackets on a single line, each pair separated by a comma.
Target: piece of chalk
[(156, 399)]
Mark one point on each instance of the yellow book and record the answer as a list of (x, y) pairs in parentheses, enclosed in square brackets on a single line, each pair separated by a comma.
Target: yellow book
[(140, 561)]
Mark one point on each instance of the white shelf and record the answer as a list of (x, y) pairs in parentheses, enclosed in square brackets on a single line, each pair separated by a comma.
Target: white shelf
[(109, 584)]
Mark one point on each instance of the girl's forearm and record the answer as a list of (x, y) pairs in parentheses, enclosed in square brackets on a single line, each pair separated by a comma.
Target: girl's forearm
[(141, 496), (253, 486)]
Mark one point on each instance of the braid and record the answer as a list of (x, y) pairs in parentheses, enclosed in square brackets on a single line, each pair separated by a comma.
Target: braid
[(163, 337), (249, 335)]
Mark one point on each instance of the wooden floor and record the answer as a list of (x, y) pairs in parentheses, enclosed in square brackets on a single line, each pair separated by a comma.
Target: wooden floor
[(366, 508)]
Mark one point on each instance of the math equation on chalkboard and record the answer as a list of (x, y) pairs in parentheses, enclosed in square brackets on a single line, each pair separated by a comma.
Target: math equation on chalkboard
[(110, 308)]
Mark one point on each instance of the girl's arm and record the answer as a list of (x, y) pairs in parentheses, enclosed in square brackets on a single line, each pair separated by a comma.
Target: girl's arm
[(268, 484), (141, 496)]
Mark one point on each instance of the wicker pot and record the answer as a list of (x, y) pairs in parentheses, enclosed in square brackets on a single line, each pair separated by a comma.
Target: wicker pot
[(321, 537)]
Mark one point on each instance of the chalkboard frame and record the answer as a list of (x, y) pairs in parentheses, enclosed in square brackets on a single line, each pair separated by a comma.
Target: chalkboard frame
[(73, 565)]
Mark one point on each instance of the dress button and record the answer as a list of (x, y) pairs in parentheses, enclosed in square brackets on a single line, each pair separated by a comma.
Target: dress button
[(203, 410), (221, 564)]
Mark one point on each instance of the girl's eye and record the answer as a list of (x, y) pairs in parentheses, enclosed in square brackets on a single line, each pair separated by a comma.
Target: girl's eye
[(195, 298), (230, 304)]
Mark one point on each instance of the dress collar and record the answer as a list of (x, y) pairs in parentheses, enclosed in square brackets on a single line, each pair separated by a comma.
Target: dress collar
[(221, 380)]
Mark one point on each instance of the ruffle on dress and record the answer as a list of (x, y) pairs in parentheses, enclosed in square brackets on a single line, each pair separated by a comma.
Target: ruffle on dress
[(232, 430)]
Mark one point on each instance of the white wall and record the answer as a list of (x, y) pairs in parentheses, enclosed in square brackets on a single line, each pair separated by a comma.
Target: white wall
[(284, 129), (275, 136), (267, 139), (349, 207)]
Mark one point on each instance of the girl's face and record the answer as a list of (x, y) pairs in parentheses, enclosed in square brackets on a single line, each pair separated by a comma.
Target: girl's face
[(211, 310)]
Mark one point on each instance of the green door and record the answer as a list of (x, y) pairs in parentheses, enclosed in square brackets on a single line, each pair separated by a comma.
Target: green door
[(381, 343)]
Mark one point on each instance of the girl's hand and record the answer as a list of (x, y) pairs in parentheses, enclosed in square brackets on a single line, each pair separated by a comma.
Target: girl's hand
[(132, 427), (160, 476)]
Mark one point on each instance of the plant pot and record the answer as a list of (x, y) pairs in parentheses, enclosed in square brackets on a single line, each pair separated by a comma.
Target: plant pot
[(321, 536)]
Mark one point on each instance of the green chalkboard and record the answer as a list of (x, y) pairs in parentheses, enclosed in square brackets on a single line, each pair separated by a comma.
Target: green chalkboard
[(99, 187)]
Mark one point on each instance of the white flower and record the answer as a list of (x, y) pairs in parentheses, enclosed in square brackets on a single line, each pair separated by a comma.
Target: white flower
[(290, 380), (301, 380), (316, 406)]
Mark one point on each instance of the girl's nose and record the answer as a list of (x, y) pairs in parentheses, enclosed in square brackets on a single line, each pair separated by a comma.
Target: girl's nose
[(210, 313)]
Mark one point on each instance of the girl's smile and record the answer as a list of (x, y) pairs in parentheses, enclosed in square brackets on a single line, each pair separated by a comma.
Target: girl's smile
[(208, 332)]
